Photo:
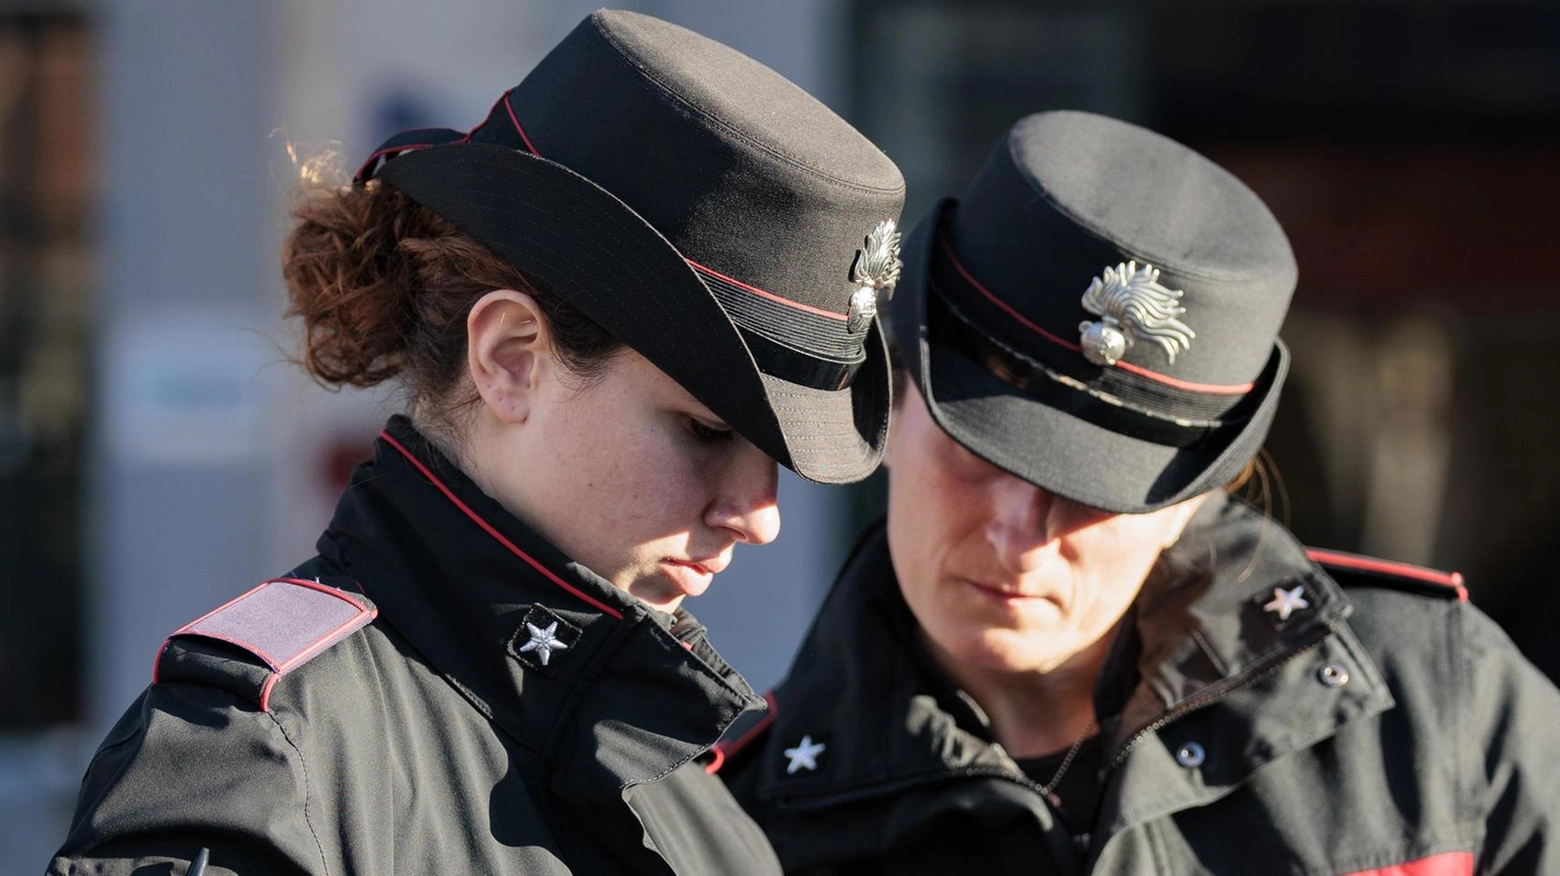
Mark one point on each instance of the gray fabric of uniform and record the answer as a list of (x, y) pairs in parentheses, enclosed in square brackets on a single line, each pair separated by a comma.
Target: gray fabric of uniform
[(420, 744), (1441, 742)]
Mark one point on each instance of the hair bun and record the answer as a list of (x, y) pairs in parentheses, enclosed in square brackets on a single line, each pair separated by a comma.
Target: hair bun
[(349, 282)]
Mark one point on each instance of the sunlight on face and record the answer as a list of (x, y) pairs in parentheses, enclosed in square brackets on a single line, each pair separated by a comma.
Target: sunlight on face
[(632, 477), (1000, 573)]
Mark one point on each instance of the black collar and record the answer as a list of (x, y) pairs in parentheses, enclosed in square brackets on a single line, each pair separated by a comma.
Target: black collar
[(1197, 630), (458, 577)]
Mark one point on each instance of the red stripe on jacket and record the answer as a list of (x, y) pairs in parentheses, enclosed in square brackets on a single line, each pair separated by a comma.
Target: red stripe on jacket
[(1449, 864)]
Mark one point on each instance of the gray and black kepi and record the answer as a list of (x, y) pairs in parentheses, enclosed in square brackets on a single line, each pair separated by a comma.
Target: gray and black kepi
[(701, 208), (1099, 314)]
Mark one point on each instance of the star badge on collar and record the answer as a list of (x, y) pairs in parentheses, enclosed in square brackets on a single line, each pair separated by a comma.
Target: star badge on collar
[(543, 642), (1285, 602), (541, 636), (804, 756)]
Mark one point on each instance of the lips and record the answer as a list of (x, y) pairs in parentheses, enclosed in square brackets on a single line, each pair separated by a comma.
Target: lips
[(999, 591), (711, 566), (693, 577)]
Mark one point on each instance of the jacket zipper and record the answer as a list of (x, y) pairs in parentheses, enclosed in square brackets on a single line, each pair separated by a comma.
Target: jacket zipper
[(1216, 692)]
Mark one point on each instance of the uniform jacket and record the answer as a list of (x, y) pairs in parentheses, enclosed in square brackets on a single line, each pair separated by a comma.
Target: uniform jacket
[(1388, 724), (432, 740)]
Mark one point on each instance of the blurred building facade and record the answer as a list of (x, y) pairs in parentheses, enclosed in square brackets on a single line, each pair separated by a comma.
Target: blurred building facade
[(158, 453)]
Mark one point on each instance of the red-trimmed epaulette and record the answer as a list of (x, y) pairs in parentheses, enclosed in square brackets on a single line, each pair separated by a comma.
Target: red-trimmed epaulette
[(283, 624), (742, 733), (1385, 573)]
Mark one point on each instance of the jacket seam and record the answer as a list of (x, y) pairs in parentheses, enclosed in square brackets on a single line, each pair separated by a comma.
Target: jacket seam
[(303, 764), (1157, 845), (1462, 703)]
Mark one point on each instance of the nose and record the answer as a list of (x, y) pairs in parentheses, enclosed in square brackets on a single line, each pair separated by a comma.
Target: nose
[(1018, 527), (747, 503)]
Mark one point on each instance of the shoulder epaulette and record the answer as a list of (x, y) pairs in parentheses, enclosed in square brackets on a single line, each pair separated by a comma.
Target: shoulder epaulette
[(1368, 571), (283, 624), (742, 733)]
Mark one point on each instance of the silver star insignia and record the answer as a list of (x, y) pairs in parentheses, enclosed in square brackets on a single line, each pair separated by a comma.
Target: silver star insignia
[(804, 756), (543, 641), (1286, 601)]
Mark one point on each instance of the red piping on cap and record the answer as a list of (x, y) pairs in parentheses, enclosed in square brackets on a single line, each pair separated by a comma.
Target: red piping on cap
[(488, 528), (732, 280), (363, 169), (1448, 864), (1387, 567), (721, 752), (1214, 388), (769, 295), (521, 131)]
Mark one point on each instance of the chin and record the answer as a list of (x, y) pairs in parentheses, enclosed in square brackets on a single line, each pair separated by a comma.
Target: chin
[(657, 599), (656, 593), (1000, 649)]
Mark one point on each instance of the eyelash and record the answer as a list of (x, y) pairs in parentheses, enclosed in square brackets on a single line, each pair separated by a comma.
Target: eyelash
[(707, 434)]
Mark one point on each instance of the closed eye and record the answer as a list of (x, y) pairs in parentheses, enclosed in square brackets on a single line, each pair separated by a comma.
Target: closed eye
[(707, 432)]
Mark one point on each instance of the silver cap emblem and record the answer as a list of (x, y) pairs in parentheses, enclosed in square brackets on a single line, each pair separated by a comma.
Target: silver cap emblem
[(876, 268), (1132, 307)]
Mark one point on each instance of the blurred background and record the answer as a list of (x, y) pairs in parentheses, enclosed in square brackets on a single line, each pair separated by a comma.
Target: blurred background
[(158, 454)]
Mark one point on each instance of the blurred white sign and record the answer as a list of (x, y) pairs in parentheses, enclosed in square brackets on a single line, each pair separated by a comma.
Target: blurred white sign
[(186, 389)]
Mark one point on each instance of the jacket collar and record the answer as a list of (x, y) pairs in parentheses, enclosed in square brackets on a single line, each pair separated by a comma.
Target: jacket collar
[(1198, 633), (458, 577), (1200, 624)]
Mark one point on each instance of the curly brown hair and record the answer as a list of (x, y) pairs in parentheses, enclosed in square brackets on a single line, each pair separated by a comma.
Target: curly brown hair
[(383, 286)]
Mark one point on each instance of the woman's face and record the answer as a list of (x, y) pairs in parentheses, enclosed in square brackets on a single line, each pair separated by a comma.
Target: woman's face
[(626, 472), (999, 573)]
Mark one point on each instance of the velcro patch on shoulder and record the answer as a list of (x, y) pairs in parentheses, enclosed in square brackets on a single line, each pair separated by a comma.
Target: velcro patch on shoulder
[(283, 622), (1400, 576)]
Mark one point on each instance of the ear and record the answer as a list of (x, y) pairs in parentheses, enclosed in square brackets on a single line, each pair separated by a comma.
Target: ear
[(508, 352)]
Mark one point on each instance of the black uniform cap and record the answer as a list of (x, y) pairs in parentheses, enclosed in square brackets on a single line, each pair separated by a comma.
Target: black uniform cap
[(1158, 385), (701, 208)]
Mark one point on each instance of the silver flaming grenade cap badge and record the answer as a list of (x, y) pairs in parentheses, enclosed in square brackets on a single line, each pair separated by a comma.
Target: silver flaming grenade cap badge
[(1132, 307), (875, 269)]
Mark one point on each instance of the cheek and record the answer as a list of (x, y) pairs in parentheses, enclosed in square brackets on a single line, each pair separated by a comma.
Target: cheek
[(614, 486), (647, 484), (935, 529), (918, 511), (1111, 562)]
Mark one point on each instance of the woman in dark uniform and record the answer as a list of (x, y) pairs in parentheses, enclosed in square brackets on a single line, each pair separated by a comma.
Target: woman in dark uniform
[(645, 278), (1068, 650)]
